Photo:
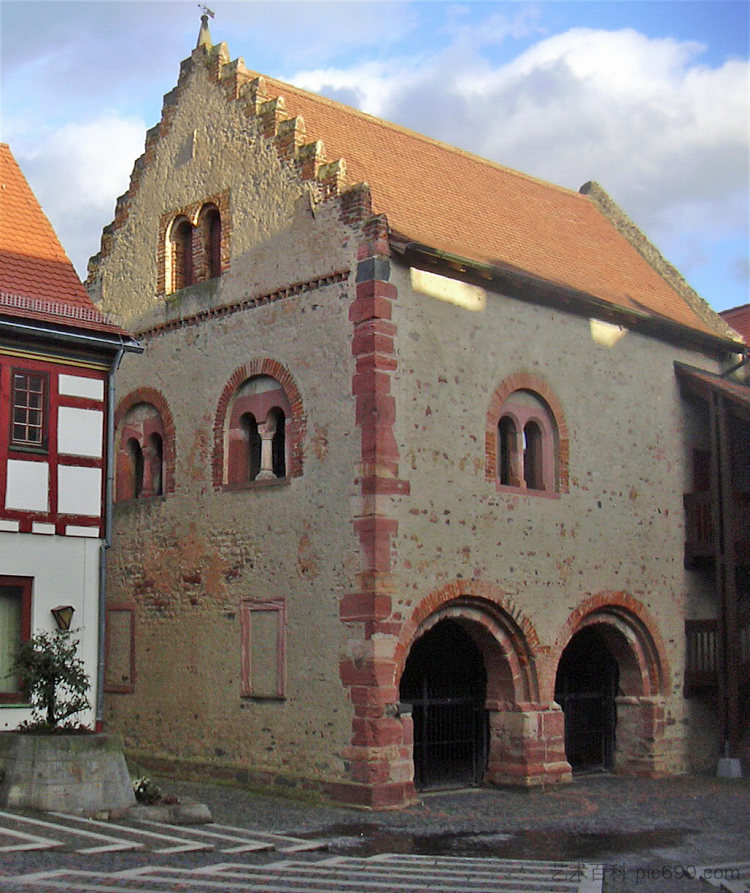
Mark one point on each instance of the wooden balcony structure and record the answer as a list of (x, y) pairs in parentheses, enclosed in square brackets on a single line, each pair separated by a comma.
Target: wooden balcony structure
[(717, 537), (703, 656), (700, 534)]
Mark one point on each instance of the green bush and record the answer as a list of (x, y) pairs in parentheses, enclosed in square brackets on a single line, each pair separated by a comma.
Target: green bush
[(53, 677)]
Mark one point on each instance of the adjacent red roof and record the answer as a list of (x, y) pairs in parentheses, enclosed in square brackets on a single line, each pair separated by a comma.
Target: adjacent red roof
[(37, 279), (702, 382), (739, 319)]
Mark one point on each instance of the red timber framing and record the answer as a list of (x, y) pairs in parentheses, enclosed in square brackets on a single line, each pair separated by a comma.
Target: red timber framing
[(379, 757), (48, 451)]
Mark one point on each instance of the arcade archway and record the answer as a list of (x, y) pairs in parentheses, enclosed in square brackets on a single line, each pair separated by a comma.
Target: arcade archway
[(586, 688), (445, 682)]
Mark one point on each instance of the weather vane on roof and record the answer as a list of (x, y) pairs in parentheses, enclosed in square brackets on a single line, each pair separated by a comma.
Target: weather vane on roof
[(206, 10)]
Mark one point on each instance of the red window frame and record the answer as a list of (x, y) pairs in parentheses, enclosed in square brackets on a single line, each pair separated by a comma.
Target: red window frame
[(23, 413), (248, 609), (24, 584)]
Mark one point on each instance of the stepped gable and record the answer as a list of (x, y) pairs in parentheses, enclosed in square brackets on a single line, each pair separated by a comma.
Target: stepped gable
[(447, 199), (37, 279)]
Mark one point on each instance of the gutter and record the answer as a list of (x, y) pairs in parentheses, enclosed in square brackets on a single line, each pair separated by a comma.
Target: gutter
[(114, 342), (526, 286)]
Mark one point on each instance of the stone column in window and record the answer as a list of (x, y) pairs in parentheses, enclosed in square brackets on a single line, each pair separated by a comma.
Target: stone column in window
[(266, 431)]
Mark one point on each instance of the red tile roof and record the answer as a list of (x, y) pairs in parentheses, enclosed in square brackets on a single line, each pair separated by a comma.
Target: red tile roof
[(37, 280), (739, 319), (702, 382), (461, 204)]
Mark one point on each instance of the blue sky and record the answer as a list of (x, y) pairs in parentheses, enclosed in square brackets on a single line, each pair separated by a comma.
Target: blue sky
[(648, 98)]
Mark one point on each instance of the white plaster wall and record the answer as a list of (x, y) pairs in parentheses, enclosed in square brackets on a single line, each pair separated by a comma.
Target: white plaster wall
[(65, 571), (78, 386), (79, 490), (80, 431), (27, 486)]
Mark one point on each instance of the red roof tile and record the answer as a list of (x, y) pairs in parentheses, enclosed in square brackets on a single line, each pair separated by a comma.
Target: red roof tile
[(461, 204), (702, 381), (37, 280), (739, 319)]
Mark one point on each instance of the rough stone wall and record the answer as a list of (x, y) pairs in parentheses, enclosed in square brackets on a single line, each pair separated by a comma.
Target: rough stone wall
[(187, 559), (615, 534)]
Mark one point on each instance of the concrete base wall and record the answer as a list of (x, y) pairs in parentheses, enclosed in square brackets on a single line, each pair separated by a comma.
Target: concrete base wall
[(65, 773)]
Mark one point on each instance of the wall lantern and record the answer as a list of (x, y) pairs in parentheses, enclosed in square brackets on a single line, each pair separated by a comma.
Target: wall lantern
[(63, 614)]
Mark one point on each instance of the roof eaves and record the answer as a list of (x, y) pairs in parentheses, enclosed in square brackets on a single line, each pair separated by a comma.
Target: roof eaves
[(526, 286), (702, 383)]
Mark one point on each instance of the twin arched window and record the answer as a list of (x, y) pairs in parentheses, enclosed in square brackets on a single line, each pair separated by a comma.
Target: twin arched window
[(140, 454), (527, 444), (194, 248), (256, 435)]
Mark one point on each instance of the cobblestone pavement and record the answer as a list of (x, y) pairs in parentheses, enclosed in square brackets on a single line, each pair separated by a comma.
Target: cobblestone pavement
[(618, 834)]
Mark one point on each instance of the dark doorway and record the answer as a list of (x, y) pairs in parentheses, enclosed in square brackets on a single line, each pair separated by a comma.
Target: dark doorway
[(445, 682), (585, 688)]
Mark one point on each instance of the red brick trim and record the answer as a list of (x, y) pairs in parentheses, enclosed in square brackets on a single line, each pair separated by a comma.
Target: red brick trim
[(491, 610), (248, 303), (158, 401), (194, 214), (636, 633), (527, 381), (296, 423)]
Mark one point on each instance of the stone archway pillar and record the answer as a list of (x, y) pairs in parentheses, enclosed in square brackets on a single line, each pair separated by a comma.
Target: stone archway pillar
[(380, 758), (527, 746), (640, 735)]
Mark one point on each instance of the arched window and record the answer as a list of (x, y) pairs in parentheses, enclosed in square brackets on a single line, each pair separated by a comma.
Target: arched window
[(506, 448), (260, 425), (181, 248), (533, 456), (132, 482), (256, 433), (156, 461), (211, 232), (140, 456), (251, 450), (527, 444)]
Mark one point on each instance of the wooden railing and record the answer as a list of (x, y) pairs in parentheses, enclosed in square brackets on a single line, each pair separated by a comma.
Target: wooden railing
[(699, 529), (702, 658)]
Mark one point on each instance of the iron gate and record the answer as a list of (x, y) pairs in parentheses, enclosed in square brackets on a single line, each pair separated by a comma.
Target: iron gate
[(589, 729), (450, 738)]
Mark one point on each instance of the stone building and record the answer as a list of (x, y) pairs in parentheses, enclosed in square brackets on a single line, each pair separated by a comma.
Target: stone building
[(57, 360), (400, 475)]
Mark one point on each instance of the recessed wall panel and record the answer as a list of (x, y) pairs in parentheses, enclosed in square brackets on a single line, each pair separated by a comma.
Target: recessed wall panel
[(79, 431), (28, 486), (79, 490)]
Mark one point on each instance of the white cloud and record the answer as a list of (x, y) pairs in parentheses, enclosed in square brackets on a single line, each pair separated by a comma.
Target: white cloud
[(77, 171)]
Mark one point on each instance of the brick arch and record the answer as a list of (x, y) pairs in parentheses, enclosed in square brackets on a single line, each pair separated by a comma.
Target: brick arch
[(192, 214), (632, 635), (527, 381), (158, 401), (504, 635), (296, 424)]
